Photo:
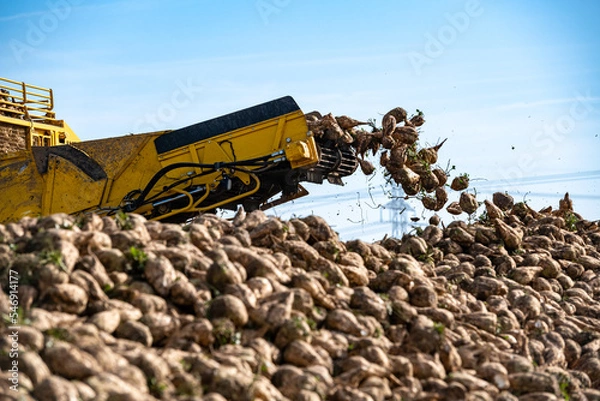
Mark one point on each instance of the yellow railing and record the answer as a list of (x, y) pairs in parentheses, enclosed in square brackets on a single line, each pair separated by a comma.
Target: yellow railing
[(27, 102)]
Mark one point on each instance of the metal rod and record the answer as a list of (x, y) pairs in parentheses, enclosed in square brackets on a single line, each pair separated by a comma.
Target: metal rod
[(177, 197)]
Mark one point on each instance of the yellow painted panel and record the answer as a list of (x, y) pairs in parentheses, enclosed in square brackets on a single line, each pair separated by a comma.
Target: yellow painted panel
[(72, 190), (21, 190)]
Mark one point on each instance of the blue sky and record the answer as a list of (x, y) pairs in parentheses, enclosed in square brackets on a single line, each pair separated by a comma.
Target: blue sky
[(513, 85)]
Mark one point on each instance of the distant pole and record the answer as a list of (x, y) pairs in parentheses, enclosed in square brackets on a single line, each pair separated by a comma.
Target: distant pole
[(399, 211)]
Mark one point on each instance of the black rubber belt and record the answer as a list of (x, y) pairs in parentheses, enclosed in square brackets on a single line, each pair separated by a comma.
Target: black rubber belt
[(220, 125)]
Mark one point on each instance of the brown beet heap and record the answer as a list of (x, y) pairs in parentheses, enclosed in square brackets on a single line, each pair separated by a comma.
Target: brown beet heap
[(404, 162), (257, 308)]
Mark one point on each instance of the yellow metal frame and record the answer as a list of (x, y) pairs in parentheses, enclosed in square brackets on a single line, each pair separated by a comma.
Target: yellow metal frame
[(122, 167), (32, 106), (285, 136), (289, 133), (27, 101)]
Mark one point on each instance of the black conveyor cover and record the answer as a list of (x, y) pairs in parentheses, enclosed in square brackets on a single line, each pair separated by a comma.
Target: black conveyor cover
[(220, 125)]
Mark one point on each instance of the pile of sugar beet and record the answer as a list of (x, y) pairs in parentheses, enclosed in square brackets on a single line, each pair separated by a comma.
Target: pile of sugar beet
[(256, 308), (502, 307)]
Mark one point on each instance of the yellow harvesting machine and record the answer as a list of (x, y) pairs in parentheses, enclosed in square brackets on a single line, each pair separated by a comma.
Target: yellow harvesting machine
[(255, 157)]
